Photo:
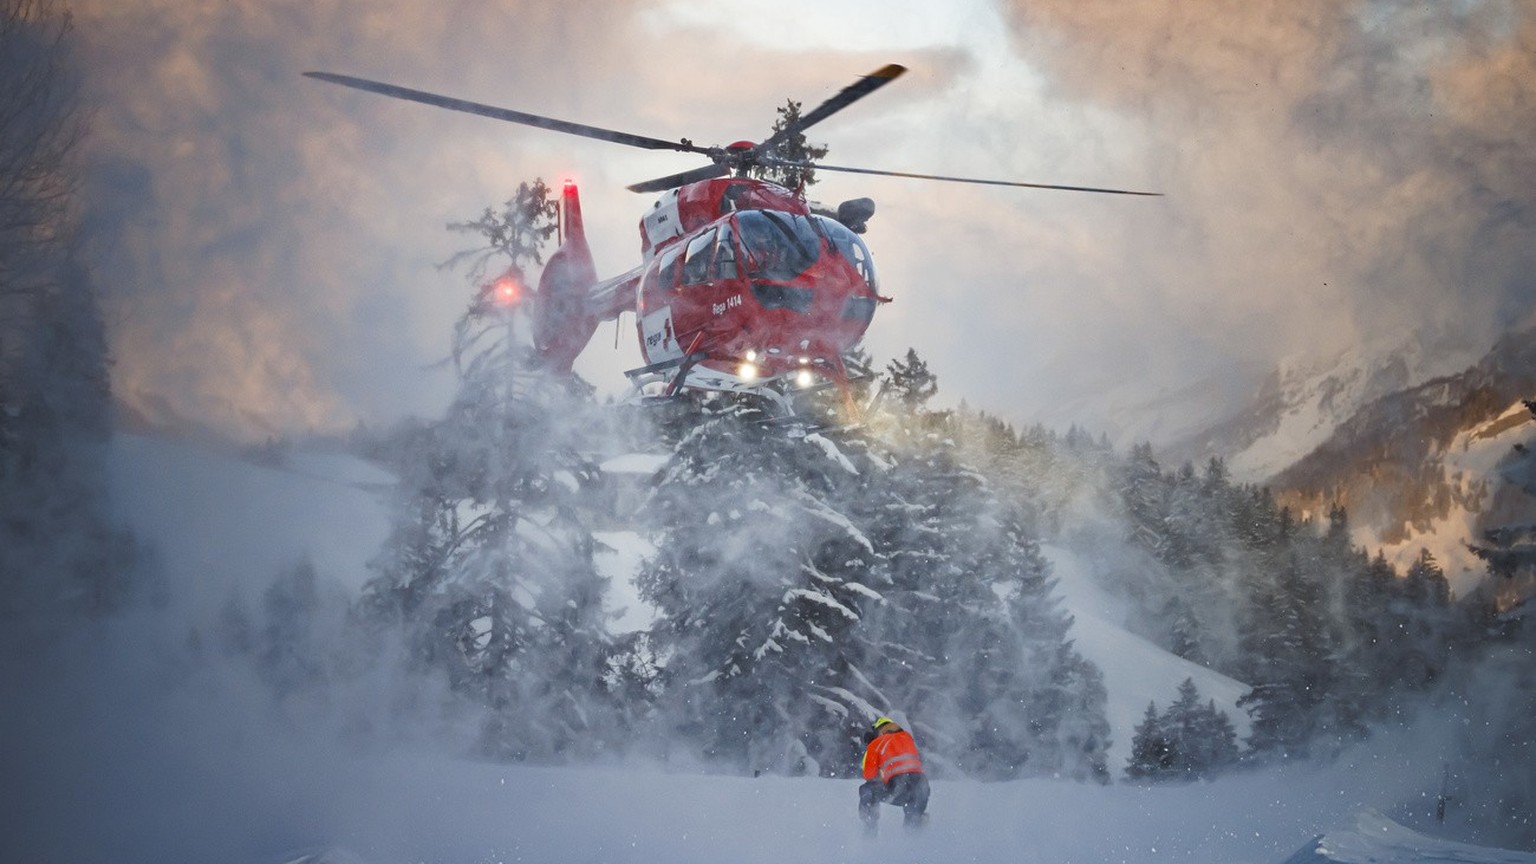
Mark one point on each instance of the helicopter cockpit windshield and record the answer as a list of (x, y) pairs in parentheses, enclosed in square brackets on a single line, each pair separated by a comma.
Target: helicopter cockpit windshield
[(779, 246)]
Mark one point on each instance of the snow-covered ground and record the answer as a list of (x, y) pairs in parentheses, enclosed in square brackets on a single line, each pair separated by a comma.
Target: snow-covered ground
[(1136, 672), (1375, 839), (200, 780), (218, 524), (242, 794)]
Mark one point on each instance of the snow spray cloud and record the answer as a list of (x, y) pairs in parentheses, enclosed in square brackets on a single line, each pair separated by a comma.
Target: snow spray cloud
[(269, 244), (1337, 170)]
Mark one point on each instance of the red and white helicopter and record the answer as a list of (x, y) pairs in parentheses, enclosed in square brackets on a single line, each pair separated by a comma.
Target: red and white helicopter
[(741, 287)]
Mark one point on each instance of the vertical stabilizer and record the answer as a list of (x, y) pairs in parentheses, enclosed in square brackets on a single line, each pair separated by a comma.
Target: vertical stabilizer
[(562, 322)]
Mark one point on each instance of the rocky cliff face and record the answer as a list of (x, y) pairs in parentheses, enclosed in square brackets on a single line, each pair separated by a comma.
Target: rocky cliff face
[(1421, 441), (1420, 468)]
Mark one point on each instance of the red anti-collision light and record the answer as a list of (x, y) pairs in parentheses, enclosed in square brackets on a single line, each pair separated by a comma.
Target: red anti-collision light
[(506, 292)]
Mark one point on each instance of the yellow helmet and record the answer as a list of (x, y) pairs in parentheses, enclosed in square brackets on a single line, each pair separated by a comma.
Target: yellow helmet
[(881, 721)]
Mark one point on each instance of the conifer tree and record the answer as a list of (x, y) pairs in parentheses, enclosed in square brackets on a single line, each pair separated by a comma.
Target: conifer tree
[(758, 580), (969, 612), (794, 148), (808, 581), (1151, 750), (1187, 742), (1203, 736), (490, 563), (909, 382), (1290, 665), (60, 557)]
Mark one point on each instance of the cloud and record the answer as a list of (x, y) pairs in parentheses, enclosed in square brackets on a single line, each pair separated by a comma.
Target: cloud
[(1338, 171), (268, 243)]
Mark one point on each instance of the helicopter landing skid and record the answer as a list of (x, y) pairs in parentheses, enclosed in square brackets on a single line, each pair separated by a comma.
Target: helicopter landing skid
[(668, 380)]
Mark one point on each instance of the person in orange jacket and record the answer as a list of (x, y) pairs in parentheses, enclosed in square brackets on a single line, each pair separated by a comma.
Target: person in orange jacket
[(893, 774)]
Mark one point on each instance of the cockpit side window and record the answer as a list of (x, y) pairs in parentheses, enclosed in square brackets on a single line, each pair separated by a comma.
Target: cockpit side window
[(725, 254), (666, 273), (850, 247), (696, 262)]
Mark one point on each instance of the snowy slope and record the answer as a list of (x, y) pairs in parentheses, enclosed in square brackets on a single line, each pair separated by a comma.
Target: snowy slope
[(217, 523), (400, 809), (200, 780), (1136, 672), (1375, 839)]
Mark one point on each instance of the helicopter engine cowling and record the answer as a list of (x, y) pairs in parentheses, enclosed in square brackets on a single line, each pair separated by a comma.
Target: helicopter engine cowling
[(563, 322)]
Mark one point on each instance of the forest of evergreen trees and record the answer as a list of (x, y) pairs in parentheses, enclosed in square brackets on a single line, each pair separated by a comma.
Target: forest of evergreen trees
[(804, 581), (809, 574)]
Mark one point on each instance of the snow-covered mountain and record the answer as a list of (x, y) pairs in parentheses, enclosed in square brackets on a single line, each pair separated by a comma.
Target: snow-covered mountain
[(1419, 468), (1306, 398), (1410, 437)]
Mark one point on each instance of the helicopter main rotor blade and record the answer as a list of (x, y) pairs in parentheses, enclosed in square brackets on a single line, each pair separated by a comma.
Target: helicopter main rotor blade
[(846, 170), (506, 114), (844, 97), (693, 175)]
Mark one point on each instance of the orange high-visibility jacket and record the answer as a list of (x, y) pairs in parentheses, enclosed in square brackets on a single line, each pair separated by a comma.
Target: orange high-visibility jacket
[(891, 754)]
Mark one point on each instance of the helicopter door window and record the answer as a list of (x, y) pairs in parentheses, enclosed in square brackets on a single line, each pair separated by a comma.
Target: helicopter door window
[(725, 255), (696, 263), (666, 273)]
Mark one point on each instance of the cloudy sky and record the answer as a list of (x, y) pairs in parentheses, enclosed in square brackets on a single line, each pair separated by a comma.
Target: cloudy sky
[(1337, 173)]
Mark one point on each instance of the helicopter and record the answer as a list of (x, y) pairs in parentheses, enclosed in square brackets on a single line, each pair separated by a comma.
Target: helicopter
[(743, 287)]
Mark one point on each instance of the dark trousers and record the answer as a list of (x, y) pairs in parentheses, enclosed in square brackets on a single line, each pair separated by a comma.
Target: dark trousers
[(907, 791)]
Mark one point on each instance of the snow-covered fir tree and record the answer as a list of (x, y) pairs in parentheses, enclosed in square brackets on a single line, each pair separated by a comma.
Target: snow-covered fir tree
[(1187, 742), (490, 563), (807, 581), (970, 632), (794, 148), (759, 577), (1151, 750), (909, 381), (970, 604)]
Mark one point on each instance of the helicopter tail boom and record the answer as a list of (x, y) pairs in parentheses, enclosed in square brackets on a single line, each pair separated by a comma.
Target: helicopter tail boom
[(571, 300)]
